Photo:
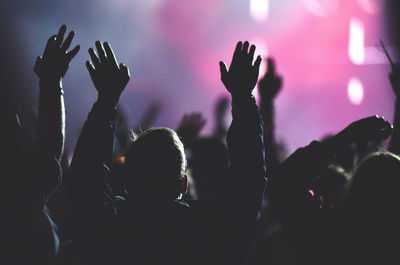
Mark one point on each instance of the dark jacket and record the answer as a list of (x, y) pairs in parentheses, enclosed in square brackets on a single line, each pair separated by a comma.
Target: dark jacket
[(116, 230), (28, 235)]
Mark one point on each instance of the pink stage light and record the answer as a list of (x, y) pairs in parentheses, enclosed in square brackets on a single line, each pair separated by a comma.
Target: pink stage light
[(259, 9), (356, 41), (370, 6), (355, 91), (321, 8)]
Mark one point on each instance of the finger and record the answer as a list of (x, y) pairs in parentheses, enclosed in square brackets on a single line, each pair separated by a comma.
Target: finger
[(37, 63), (374, 122), (73, 53), (279, 82), (270, 66), (124, 69), (49, 45), (94, 57), (38, 59), (223, 70), (68, 41), (387, 125), (100, 52), (60, 35), (386, 132), (245, 48), (257, 63), (251, 52), (91, 69), (110, 54), (381, 120), (236, 53)]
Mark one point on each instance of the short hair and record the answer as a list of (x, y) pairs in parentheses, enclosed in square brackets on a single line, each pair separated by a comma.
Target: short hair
[(372, 222), (376, 182), (156, 160)]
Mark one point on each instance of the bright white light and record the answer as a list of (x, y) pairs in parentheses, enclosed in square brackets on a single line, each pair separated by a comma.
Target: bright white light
[(355, 91), (356, 41), (259, 9)]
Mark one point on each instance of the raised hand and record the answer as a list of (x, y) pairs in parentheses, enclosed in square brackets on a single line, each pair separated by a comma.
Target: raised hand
[(243, 74), (55, 60), (373, 128), (270, 85), (190, 126), (108, 77)]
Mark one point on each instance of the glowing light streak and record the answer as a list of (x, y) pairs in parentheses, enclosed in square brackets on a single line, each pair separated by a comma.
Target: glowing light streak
[(356, 41)]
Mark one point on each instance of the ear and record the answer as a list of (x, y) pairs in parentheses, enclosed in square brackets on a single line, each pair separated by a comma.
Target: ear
[(184, 185)]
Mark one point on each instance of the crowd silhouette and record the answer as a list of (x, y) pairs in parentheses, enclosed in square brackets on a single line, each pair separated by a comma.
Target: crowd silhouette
[(153, 195)]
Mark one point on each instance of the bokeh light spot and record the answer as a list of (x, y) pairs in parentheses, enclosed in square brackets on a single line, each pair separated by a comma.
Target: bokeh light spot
[(259, 9), (355, 91)]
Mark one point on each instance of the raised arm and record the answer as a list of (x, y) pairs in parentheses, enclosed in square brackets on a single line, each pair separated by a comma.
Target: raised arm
[(246, 182), (298, 171), (89, 173), (93, 152), (268, 88), (289, 189), (51, 68)]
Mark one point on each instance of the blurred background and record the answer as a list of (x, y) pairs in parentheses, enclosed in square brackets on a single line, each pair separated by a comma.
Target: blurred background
[(327, 51)]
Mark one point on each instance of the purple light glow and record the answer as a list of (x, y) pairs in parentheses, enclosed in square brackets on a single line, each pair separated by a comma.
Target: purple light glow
[(173, 48)]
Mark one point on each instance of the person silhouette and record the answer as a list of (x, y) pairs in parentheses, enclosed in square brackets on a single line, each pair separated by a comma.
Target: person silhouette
[(154, 224)]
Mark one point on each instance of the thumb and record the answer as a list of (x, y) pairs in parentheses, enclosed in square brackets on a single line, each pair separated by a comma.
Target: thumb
[(37, 66), (91, 70), (224, 71), (257, 63)]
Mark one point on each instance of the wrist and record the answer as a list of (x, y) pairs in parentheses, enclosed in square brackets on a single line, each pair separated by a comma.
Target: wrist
[(241, 94), (103, 111), (267, 103), (343, 138), (51, 85), (239, 90), (243, 100), (52, 80), (107, 101)]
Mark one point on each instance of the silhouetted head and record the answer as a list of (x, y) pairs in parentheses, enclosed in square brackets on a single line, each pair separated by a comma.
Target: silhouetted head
[(345, 157), (331, 186), (156, 164), (373, 205), (376, 183)]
